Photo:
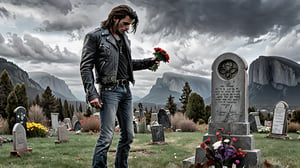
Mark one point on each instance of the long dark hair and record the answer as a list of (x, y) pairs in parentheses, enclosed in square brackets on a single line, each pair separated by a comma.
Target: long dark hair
[(121, 12)]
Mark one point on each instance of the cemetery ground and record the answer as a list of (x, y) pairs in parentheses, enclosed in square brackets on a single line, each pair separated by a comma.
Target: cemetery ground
[(77, 152)]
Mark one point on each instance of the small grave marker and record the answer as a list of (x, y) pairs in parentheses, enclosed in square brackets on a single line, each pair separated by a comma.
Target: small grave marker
[(19, 141)]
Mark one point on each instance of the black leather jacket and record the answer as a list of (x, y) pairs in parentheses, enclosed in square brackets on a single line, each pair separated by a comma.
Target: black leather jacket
[(100, 50)]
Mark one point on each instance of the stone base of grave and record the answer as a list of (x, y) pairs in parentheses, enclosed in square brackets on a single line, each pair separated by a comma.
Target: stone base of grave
[(254, 158), (189, 162), (246, 142), (60, 141), (19, 153), (277, 136)]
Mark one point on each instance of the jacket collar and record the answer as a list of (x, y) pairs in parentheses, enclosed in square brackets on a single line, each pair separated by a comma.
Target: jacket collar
[(111, 39)]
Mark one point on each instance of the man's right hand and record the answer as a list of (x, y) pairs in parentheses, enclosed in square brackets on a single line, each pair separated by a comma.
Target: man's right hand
[(96, 103)]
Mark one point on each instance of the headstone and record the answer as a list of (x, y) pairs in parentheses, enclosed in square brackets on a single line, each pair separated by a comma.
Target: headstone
[(279, 124), (154, 119), (77, 126), (19, 141), (54, 120), (142, 126), (200, 155), (158, 135), (257, 119), (21, 116), (252, 121), (229, 102), (163, 118), (67, 121), (62, 134), (134, 127)]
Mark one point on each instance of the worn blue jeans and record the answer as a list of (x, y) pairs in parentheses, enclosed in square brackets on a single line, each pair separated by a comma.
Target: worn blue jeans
[(116, 103)]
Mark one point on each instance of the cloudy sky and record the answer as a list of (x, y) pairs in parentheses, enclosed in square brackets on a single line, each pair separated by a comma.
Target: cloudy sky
[(40, 35)]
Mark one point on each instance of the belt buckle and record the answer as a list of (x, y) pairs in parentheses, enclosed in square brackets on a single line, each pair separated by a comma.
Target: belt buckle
[(122, 82)]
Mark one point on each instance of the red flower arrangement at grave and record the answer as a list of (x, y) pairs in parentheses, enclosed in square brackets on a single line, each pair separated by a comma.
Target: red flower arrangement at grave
[(160, 55), (222, 152)]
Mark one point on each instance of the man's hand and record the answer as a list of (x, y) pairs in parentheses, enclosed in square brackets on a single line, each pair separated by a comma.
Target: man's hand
[(96, 103), (155, 61)]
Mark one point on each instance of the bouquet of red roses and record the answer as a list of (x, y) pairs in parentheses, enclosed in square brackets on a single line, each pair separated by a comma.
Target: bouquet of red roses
[(160, 55)]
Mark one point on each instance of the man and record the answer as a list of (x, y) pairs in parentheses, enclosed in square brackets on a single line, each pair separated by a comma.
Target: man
[(108, 50)]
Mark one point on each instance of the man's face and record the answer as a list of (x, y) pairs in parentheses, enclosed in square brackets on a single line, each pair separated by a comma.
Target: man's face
[(123, 25)]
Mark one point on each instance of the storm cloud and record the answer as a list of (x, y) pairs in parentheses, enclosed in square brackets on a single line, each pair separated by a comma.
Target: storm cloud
[(32, 49), (248, 18), (63, 6)]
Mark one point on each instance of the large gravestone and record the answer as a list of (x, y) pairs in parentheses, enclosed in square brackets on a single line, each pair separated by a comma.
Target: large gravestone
[(163, 118), (229, 102), (279, 124), (21, 116), (19, 141), (54, 120)]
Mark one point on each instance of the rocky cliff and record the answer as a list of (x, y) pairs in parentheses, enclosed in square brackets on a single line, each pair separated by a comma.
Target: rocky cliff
[(272, 79), (18, 75), (59, 87), (172, 84)]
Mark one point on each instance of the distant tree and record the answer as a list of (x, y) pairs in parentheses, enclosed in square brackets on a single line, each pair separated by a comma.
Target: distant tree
[(36, 100), (184, 98), (66, 109), (195, 107), (48, 103), (71, 111), (80, 108), (12, 104), (60, 109), (207, 113), (6, 86), (171, 105), (22, 97)]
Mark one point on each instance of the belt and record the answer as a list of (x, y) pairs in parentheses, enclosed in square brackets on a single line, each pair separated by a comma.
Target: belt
[(123, 82)]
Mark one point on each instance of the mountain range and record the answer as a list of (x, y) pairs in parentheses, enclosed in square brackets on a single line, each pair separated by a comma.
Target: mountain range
[(172, 84), (271, 79), (37, 82), (59, 86)]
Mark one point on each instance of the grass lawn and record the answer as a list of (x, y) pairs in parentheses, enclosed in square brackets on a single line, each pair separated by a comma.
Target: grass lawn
[(180, 145)]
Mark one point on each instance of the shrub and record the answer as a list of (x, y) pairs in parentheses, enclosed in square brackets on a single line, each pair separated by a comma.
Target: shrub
[(187, 126), (293, 127), (180, 122), (36, 114), (4, 128), (36, 129), (79, 115), (90, 124)]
